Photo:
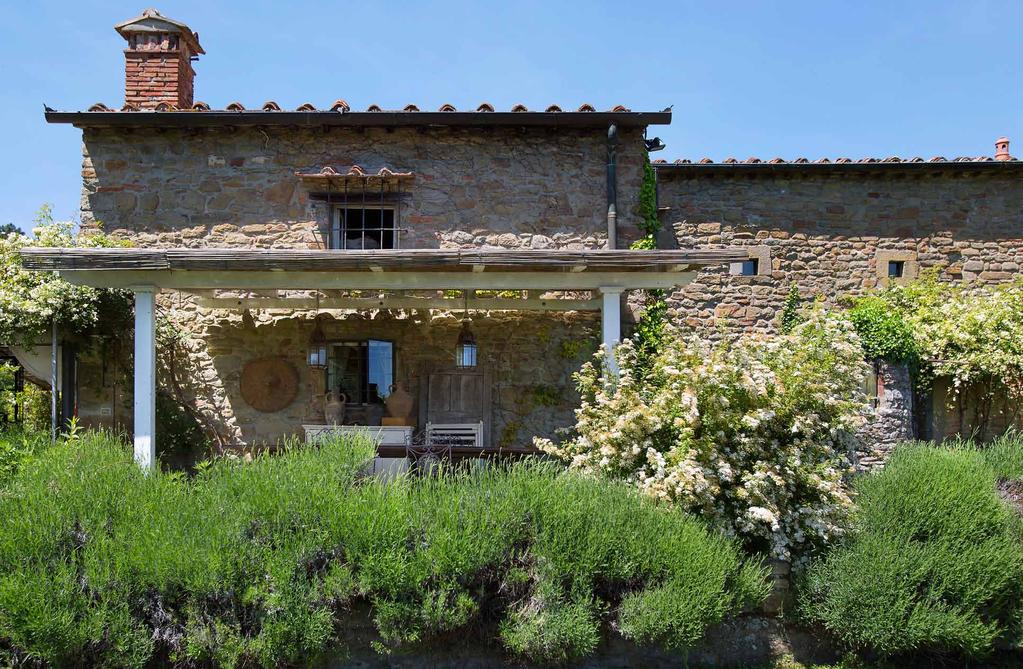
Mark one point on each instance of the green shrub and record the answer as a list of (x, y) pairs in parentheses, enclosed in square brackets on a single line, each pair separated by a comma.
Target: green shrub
[(884, 332), (934, 564), (261, 563), (1004, 455), (17, 445)]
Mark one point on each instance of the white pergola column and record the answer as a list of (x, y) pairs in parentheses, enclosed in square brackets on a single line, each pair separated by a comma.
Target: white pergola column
[(145, 376), (611, 322)]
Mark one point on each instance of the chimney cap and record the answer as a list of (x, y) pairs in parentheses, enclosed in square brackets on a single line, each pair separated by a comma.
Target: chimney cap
[(152, 21), (1002, 149)]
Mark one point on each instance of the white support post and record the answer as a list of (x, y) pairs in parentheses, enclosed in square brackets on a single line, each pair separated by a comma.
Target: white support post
[(145, 376), (611, 322)]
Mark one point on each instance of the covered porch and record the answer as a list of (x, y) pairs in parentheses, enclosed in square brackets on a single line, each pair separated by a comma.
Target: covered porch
[(494, 291)]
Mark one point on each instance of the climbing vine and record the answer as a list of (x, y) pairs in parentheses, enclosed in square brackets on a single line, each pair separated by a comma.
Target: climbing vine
[(790, 316), (652, 321), (31, 301)]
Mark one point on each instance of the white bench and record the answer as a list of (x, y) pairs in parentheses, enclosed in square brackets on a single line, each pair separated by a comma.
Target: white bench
[(455, 434)]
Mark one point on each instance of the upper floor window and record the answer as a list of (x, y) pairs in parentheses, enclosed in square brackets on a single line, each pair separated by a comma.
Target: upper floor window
[(364, 227)]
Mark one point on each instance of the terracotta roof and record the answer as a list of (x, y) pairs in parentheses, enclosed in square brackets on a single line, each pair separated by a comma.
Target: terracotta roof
[(271, 113), (355, 174), (767, 164)]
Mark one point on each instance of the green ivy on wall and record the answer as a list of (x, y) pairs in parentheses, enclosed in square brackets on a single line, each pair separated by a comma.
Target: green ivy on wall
[(653, 319), (790, 317)]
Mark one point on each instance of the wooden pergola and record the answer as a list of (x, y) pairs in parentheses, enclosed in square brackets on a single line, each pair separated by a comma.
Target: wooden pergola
[(546, 280)]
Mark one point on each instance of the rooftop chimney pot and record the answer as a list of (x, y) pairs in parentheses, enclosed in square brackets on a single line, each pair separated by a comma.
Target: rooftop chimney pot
[(1002, 149), (158, 61)]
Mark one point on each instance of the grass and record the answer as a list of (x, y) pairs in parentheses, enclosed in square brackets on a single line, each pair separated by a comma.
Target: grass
[(18, 445), (263, 563), (934, 566)]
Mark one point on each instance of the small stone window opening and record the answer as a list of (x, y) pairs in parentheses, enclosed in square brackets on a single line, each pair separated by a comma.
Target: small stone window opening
[(363, 228), (896, 269), (750, 267), (873, 386)]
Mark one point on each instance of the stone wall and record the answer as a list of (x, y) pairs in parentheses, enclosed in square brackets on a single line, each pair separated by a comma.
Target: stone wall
[(528, 356), (833, 233), (891, 419), (497, 187)]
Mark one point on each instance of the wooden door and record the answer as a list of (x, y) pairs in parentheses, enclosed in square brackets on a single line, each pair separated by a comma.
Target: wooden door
[(458, 396)]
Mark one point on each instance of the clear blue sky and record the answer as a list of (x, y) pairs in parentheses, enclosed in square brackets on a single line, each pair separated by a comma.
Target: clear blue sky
[(746, 78)]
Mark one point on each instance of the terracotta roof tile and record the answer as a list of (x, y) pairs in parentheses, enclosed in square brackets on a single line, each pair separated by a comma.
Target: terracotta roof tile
[(890, 160), (355, 172), (340, 105), (129, 107), (165, 106)]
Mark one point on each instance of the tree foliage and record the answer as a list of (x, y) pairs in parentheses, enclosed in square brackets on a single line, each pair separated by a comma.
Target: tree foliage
[(30, 302)]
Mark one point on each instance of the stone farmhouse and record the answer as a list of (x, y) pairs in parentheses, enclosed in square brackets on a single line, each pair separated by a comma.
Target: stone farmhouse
[(437, 276)]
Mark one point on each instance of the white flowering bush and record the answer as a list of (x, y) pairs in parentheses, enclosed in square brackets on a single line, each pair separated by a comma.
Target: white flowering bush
[(753, 435), (972, 335), (31, 301)]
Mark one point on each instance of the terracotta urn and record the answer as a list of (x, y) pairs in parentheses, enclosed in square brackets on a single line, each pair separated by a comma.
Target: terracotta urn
[(334, 407), (399, 402)]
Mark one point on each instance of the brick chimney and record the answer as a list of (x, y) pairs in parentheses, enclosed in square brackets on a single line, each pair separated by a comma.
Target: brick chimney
[(158, 61), (1002, 149)]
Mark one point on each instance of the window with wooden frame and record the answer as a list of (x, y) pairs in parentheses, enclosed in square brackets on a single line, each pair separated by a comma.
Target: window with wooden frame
[(362, 370), (364, 227)]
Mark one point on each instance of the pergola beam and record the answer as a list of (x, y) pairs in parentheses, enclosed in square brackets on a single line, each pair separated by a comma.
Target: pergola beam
[(394, 302), (390, 280)]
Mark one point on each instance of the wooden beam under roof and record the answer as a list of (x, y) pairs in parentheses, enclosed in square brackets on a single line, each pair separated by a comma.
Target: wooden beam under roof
[(391, 260)]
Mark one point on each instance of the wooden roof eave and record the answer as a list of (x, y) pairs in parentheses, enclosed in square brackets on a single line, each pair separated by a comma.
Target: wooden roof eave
[(379, 269)]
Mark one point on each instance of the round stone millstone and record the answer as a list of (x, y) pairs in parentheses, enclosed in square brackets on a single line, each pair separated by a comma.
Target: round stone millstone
[(269, 384)]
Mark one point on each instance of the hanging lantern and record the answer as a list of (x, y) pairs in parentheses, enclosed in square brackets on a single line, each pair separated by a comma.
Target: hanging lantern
[(465, 349), (318, 347)]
